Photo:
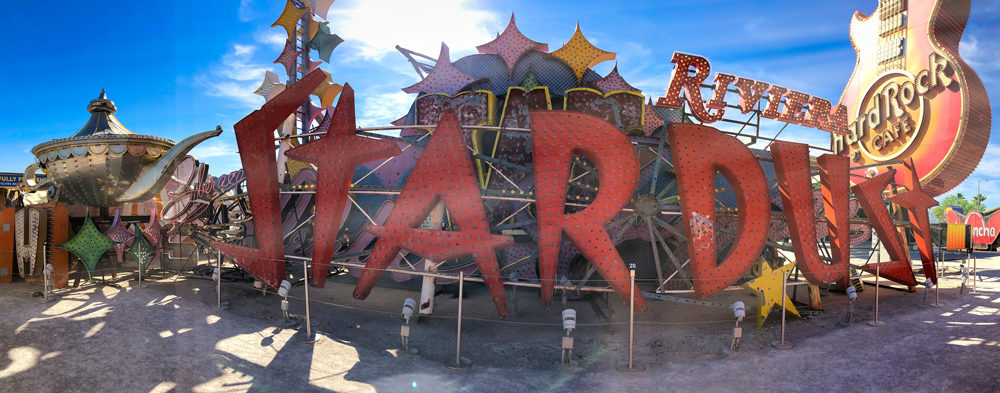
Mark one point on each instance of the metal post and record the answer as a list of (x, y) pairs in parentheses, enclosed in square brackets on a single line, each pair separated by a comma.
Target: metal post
[(631, 368), (309, 337), (140, 275), (460, 362), (458, 340), (784, 286), (218, 280), (876, 322), (631, 315), (937, 291), (975, 273), (47, 275)]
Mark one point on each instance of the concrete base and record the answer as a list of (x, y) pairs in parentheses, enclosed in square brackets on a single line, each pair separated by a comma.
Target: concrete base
[(637, 368), (463, 364), (779, 345)]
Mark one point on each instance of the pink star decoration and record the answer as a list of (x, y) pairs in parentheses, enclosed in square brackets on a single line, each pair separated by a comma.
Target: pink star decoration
[(511, 45), (444, 78), (614, 82), (154, 233), (119, 233), (653, 119), (287, 57)]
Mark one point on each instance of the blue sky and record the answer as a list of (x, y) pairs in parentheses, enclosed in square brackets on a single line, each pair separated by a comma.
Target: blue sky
[(177, 68)]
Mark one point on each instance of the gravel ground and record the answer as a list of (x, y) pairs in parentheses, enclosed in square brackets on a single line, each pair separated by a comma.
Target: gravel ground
[(167, 337)]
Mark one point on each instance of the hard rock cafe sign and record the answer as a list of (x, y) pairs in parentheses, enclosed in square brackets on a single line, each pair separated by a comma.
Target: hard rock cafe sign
[(912, 96)]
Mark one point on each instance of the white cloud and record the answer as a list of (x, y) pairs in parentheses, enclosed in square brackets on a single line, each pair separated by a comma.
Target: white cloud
[(374, 28), (981, 55), (246, 11), (638, 49), (986, 170), (987, 167), (236, 76), (213, 148), (383, 108), (243, 50), (273, 38), (220, 153)]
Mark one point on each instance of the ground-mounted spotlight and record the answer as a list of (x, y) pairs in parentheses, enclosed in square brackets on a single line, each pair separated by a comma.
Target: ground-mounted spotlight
[(852, 294), (928, 284), (283, 291), (569, 325), (739, 312), (965, 277), (409, 305)]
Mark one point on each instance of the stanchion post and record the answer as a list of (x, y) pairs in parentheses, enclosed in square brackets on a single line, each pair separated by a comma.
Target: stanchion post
[(876, 322), (460, 362), (631, 367), (310, 337), (218, 281), (975, 273), (937, 292), (782, 344), (47, 276), (140, 274)]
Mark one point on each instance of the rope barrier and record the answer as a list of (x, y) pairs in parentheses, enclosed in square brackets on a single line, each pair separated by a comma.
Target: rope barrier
[(484, 319)]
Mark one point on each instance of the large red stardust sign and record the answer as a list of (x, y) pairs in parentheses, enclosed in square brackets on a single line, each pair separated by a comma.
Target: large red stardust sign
[(444, 172)]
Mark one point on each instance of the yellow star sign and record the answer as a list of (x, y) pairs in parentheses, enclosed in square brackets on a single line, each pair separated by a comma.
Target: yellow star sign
[(579, 54), (767, 287)]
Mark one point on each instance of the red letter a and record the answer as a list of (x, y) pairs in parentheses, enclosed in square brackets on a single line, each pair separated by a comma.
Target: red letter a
[(443, 172)]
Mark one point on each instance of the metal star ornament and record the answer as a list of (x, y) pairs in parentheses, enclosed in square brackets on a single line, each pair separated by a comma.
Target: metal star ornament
[(287, 57), (530, 81), (511, 45), (652, 120), (270, 81), (289, 18), (119, 233), (154, 232), (767, 287), (89, 245), (141, 250), (275, 91), (613, 81), (324, 42), (444, 78), (312, 66), (579, 54), (321, 7)]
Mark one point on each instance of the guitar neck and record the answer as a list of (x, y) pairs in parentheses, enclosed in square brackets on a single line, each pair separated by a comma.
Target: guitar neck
[(892, 35)]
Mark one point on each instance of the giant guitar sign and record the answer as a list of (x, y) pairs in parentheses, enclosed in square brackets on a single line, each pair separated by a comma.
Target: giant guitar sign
[(912, 96)]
